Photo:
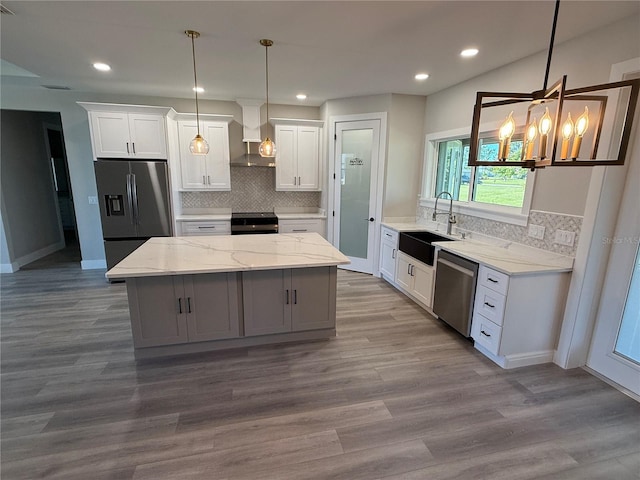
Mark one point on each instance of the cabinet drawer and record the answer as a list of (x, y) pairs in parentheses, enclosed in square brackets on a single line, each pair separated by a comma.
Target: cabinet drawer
[(389, 235), (301, 226), (490, 304), (496, 281), (486, 333), (206, 228)]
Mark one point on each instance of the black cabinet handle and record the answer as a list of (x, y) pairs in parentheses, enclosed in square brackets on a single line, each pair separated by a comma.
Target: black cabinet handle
[(493, 280), (179, 305), (489, 305), (188, 304), (484, 333), (393, 253), (287, 297), (295, 297)]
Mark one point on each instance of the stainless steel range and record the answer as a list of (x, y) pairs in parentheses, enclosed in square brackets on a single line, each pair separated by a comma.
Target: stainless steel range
[(244, 223)]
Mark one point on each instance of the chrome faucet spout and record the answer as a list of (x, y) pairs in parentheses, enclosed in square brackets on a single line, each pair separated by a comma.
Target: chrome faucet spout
[(452, 218)]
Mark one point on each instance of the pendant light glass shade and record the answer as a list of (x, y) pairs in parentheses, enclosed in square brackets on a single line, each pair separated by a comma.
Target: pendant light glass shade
[(198, 145), (267, 147)]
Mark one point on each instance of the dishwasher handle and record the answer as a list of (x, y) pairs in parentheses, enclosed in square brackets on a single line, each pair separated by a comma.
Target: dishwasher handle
[(459, 268)]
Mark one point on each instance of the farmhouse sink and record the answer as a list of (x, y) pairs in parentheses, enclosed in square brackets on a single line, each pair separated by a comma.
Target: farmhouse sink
[(418, 245)]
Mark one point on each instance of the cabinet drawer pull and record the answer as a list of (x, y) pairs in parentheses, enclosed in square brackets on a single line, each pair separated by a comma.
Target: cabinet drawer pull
[(295, 179), (295, 296), (300, 230), (205, 226), (287, 297), (188, 304), (299, 181), (388, 235), (412, 267), (409, 269), (393, 253), (179, 305), (493, 280), (127, 147), (489, 305), (133, 145), (209, 179), (484, 333)]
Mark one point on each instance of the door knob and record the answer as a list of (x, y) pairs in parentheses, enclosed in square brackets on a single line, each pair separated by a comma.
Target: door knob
[(372, 219)]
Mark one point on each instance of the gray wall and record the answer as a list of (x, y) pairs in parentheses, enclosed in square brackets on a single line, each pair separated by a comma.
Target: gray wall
[(29, 208), (586, 60)]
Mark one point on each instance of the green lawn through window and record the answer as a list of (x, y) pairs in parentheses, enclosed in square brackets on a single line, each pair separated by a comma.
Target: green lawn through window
[(499, 191)]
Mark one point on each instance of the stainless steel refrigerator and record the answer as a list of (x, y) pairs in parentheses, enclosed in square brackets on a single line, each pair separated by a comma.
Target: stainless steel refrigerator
[(134, 204)]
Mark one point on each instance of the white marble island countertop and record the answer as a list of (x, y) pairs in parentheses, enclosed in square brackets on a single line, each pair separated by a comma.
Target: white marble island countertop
[(161, 256)]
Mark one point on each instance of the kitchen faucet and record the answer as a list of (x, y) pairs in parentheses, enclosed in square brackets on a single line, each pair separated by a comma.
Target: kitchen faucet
[(452, 218)]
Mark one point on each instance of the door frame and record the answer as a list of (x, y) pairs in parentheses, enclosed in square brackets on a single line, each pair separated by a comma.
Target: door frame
[(332, 177)]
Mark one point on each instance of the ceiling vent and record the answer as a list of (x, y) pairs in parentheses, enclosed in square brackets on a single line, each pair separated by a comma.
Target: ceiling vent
[(56, 87), (5, 11)]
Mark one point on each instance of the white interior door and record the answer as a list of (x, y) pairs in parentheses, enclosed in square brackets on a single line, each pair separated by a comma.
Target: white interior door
[(615, 347), (357, 159)]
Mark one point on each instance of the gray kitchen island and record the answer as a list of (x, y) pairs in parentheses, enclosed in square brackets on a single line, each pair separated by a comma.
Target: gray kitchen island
[(192, 294)]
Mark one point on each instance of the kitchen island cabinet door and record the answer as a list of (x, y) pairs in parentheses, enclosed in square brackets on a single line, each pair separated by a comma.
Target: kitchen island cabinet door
[(314, 298), (158, 311), (212, 306), (267, 298)]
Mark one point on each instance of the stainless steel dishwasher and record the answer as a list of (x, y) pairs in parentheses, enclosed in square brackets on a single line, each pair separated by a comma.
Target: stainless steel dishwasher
[(455, 291)]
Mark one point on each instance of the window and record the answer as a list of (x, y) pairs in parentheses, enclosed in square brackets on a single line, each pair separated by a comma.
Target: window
[(503, 186)]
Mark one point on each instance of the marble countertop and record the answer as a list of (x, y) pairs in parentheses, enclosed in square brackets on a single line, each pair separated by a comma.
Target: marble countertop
[(160, 256), (506, 257), (203, 217), (509, 259)]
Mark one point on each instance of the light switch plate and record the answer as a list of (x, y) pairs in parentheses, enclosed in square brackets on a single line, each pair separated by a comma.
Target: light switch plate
[(564, 237), (536, 231)]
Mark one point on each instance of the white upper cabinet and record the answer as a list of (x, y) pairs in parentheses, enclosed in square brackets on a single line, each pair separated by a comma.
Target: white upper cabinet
[(210, 171), (128, 135), (297, 155)]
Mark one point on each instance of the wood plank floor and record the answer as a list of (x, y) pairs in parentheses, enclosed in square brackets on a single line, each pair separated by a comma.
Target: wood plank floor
[(396, 395)]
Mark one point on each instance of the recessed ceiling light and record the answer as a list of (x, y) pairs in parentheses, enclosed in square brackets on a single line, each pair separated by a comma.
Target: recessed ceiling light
[(198, 89), (469, 52), (422, 76), (301, 96), (103, 67)]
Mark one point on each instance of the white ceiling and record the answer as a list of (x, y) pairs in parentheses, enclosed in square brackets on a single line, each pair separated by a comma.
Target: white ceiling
[(326, 49)]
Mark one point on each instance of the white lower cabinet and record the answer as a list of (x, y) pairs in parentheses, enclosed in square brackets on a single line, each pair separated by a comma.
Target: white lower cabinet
[(416, 278), (301, 225), (388, 254), (516, 319), (202, 227)]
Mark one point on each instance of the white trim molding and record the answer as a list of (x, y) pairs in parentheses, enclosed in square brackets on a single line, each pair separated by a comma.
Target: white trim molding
[(93, 264)]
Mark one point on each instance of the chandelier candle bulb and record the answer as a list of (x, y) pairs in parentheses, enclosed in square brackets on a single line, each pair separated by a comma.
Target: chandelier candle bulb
[(567, 133), (582, 123), (545, 128), (506, 132), (532, 133)]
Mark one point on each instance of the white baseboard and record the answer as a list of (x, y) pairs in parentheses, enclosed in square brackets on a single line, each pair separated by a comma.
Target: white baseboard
[(519, 359), (9, 267), (93, 264)]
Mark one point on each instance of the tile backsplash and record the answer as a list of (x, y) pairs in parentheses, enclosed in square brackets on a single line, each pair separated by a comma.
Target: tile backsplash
[(252, 190), (519, 234)]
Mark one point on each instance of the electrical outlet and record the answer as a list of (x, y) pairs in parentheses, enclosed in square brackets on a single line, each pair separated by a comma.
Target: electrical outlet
[(564, 237), (536, 231), (93, 200)]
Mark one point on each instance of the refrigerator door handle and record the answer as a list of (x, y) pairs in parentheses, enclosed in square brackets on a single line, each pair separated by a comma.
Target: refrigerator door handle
[(134, 189), (130, 198)]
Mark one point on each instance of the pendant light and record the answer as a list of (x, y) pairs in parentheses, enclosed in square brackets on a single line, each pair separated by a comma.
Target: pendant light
[(267, 147), (198, 145), (556, 139)]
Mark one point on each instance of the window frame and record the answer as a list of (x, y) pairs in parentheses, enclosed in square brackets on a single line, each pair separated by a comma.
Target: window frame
[(501, 213)]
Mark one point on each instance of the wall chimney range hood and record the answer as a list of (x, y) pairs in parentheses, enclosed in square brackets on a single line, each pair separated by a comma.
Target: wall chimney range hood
[(251, 134)]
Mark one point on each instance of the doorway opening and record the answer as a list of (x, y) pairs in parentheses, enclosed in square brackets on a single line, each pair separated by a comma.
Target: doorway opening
[(38, 214)]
